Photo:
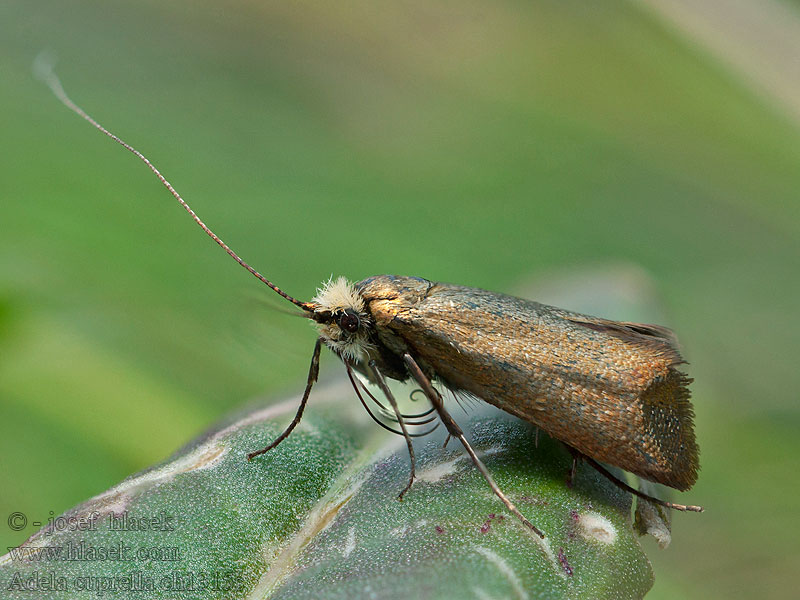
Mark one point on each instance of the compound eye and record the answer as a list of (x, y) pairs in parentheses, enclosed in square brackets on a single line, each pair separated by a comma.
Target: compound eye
[(349, 321)]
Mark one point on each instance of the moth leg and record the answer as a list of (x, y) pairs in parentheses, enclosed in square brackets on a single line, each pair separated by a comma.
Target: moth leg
[(455, 431), (357, 384), (621, 484), (313, 373), (576, 456), (390, 397), (411, 419)]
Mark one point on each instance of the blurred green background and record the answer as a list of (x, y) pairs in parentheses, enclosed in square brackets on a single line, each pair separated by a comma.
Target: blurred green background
[(482, 143)]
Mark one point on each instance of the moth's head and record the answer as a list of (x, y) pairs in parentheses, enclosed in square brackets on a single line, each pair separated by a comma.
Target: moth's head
[(341, 318)]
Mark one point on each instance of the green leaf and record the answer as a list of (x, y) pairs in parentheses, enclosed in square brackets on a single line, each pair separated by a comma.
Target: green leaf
[(318, 517)]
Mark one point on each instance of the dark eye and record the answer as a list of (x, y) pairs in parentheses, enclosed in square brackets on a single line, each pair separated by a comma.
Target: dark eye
[(349, 321)]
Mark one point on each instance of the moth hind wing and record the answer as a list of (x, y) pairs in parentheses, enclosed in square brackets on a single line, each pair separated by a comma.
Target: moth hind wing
[(651, 331), (660, 339)]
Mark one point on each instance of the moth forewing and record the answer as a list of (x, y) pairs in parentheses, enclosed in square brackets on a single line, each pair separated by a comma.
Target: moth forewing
[(610, 390)]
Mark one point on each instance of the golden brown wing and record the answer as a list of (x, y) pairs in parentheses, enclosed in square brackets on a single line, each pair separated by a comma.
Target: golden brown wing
[(610, 389)]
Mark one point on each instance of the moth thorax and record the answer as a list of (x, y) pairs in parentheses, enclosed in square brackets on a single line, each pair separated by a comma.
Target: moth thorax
[(346, 332)]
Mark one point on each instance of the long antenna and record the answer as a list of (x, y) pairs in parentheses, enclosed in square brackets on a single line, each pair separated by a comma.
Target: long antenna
[(43, 68)]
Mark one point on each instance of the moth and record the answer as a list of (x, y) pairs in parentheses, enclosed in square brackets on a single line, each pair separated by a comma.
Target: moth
[(612, 392)]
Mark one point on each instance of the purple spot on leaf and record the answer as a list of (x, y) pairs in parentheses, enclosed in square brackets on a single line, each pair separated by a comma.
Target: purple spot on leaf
[(488, 523), (562, 558)]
